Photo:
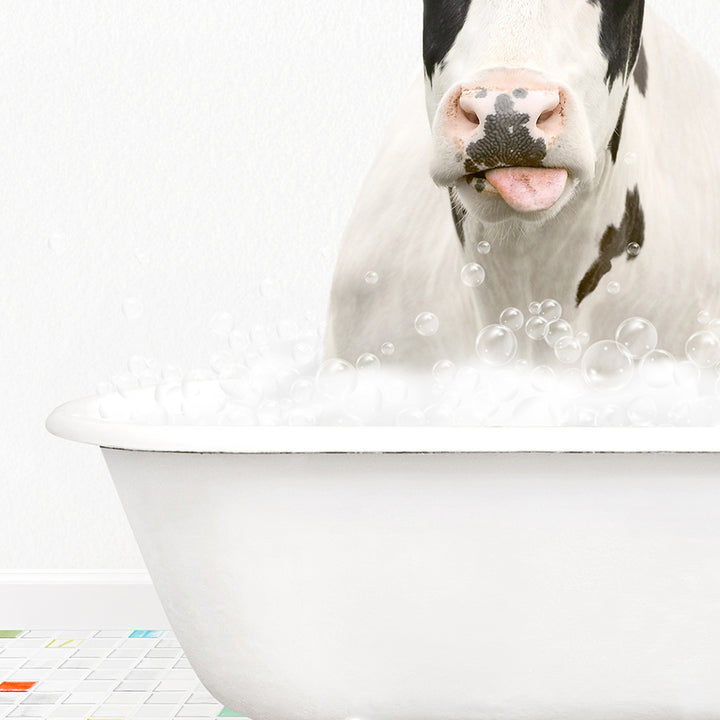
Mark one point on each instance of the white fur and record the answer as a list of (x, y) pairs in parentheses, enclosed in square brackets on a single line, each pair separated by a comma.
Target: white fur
[(402, 226)]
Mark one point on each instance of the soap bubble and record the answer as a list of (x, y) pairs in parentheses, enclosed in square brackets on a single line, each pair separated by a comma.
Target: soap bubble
[(240, 384), (371, 277), (496, 345), (512, 317), (336, 377), (638, 336), (114, 407), (542, 378), (613, 287), (368, 363), (534, 308), (714, 327), (607, 366), (642, 411), (427, 324), (536, 328), (387, 348), (633, 249), (473, 275), (568, 349), (483, 247), (704, 317), (557, 330), (132, 308), (302, 391), (658, 368), (583, 338), (550, 310), (444, 371), (303, 353), (687, 375), (611, 416), (703, 349)]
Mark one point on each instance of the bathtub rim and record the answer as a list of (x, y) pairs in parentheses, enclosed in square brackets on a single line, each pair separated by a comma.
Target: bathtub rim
[(78, 420)]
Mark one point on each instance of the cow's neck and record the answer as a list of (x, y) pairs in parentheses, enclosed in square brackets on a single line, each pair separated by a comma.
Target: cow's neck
[(531, 262)]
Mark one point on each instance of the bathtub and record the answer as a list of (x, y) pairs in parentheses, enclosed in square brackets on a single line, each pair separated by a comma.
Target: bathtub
[(430, 573)]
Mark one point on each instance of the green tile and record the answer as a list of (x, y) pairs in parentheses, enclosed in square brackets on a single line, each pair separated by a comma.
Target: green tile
[(11, 633), (227, 712)]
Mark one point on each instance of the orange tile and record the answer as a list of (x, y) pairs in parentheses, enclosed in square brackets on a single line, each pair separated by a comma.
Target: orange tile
[(16, 686)]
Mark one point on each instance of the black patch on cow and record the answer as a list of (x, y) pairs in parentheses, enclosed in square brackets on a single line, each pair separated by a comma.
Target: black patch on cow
[(640, 75), (614, 243), (620, 35), (507, 141), (614, 144), (458, 216), (442, 21)]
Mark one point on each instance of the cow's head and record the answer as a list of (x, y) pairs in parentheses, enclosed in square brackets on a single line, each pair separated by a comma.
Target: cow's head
[(524, 97)]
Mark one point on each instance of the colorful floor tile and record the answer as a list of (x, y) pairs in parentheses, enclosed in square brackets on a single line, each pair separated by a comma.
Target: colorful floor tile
[(100, 675)]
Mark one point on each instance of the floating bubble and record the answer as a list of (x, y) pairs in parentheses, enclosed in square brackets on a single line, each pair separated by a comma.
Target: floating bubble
[(583, 338), (536, 328), (550, 310), (568, 350), (473, 275), (483, 247), (613, 287), (607, 366), (512, 318), (534, 308), (714, 327), (638, 336), (633, 249), (336, 377), (222, 323), (368, 363), (444, 371), (387, 348), (496, 345), (371, 277), (703, 349), (704, 317), (556, 331), (132, 308), (427, 324), (658, 368)]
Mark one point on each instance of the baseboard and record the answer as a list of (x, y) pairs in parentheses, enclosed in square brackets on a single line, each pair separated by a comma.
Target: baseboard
[(79, 600)]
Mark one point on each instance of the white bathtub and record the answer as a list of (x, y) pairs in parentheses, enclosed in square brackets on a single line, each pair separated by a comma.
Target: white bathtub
[(431, 573)]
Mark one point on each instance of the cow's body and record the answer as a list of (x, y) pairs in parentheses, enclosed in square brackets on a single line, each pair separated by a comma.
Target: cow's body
[(658, 188)]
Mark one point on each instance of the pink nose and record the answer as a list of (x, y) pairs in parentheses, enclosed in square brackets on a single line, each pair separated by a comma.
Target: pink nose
[(504, 118)]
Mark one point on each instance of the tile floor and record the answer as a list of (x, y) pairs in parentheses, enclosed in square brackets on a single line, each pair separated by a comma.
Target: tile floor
[(100, 675)]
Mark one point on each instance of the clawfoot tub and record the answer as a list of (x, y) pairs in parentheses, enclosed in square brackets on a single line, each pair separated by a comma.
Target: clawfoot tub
[(430, 573)]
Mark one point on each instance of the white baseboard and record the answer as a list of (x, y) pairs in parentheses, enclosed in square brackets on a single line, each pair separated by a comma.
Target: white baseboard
[(79, 600)]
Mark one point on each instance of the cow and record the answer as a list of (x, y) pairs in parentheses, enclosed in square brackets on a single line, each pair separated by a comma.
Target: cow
[(571, 151)]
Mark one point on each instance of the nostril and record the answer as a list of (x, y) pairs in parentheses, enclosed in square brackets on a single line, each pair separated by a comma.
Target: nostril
[(470, 116), (545, 116)]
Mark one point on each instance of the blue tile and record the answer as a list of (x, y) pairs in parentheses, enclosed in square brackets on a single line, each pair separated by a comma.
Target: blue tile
[(146, 633)]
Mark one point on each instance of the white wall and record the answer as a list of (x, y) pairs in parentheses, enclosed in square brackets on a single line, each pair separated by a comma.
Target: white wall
[(180, 153)]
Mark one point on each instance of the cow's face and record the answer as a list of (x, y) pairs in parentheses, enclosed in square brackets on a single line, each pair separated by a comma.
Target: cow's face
[(524, 97)]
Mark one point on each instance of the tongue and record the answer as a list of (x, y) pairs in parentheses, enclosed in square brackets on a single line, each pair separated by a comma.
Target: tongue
[(528, 189)]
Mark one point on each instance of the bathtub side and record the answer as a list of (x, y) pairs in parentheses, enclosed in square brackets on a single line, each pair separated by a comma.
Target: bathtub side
[(413, 586)]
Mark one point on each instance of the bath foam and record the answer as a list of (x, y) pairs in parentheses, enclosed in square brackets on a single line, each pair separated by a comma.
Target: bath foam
[(624, 381)]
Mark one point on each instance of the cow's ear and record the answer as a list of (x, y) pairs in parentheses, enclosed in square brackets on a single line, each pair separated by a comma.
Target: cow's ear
[(442, 21)]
